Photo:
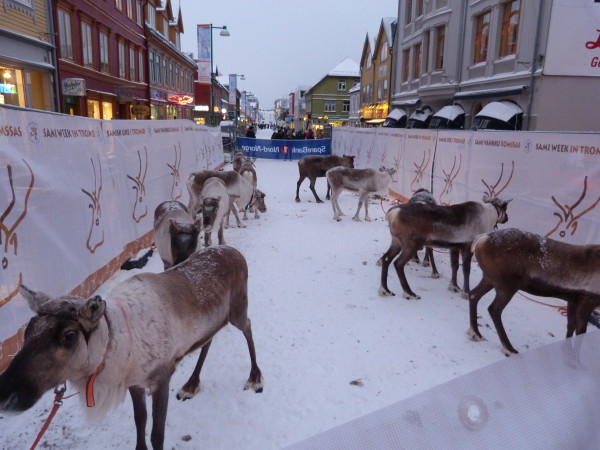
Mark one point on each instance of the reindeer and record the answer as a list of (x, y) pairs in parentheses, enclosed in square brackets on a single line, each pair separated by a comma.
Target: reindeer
[(175, 233), (314, 166), (215, 206), (513, 260), (363, 181), (416, 225), (238, 160), (248, 172), (133, 339), (139, 187), (568, 217), (11, 237), (96, 207)]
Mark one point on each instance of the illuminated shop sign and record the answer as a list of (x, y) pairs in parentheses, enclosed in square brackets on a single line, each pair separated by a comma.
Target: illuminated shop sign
[(8, 88), (181, 99), (203, 108)]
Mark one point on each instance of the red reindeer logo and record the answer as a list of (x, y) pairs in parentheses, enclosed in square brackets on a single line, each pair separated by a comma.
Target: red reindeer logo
[(139, 187), (492, 189), (420, 170), (567, 217), (96, 208), (9, 232), (449, 179), (176, 186)]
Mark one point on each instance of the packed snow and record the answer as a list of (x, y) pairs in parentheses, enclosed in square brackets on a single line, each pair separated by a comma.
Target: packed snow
[(330, 348)]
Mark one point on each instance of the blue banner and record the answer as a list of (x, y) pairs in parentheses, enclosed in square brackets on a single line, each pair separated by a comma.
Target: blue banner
[(283, 148)]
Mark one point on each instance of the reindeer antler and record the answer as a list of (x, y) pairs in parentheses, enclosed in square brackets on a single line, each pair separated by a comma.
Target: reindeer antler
[(492, 189), (9, 232)]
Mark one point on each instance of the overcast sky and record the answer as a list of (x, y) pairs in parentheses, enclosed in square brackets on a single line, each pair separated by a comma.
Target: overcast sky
[(281, 45)]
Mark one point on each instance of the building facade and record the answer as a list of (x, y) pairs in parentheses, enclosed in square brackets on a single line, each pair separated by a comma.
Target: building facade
[(376, 73), (28, 55), (498, 64), (328, 101)]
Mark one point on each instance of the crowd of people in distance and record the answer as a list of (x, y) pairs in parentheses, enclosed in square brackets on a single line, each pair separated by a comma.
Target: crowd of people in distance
[(286, 132)]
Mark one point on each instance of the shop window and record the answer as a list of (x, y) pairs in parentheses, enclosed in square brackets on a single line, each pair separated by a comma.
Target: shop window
[(93, 107), (107, 110), (510, 28), (11, 87), (64, 34), (482, 37), (329, 106)]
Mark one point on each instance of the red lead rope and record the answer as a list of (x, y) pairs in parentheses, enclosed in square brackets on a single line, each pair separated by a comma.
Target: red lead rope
[(59, 392)]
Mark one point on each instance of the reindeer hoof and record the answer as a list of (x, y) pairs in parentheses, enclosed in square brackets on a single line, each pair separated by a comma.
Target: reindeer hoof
[(356, 219), (508, 352), (425, 263), (453, 288), (435, 276), (319, 201), (256, 386), (385, 293), (379, 262), (368, 219), (297, 200), (464, 295), (185, 394), (408, 296), (475, 336)]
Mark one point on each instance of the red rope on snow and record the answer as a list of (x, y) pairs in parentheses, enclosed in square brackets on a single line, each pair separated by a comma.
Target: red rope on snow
[(58, 398)]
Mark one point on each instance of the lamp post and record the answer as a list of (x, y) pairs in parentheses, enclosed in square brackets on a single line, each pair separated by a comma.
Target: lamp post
[(224, 32)]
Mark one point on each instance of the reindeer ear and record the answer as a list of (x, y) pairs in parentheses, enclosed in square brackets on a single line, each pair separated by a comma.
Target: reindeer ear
[(34, 299), (486, 198), (92, 310)]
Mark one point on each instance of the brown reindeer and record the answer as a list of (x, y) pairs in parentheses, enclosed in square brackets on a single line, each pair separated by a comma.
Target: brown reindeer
[(315, 166), (96, 208), (513, 260), (11, 237), (133, 339), (567, 218)]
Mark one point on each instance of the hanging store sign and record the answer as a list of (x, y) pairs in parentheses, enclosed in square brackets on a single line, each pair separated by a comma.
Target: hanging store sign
[(181, 99), (74, 86)]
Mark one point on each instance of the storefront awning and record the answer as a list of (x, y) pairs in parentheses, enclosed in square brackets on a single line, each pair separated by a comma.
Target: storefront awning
[(396, 119), (450, 116), (503, 115), (420, 118)]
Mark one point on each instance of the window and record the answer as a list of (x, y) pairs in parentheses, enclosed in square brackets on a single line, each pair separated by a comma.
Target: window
[(141, 66), (379, 90), (177, 79), (121, 60), (384, 51), (131, 63), (138, 13), (369, 57), (178, 40), (510, 28), (64, 32), (104, 52), (157, 77), (171, 74), (425, 62), (152, 68), (86, 44), (408, 11), (405, 64), (329, 106), (341, 85), (165, 73), (419, 8), (482, 37), (151, 16), (440, 41), (166, 28), (346, 106), (119, 4), (417, 62), (130, 9), (385, 89)]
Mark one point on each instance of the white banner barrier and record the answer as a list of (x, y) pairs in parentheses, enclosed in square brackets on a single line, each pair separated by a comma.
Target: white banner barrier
[(77, 197), (553, 178)]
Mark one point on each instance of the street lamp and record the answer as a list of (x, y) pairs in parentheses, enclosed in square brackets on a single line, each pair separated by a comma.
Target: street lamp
[(224, 32)]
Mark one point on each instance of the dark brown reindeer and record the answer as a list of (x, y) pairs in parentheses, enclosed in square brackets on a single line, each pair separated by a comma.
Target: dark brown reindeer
[(567, 218), (139, 187), (513, 260), (176, 186), (315, 166), (417, 225), (11, 237), (96, 207), (449, 179), (133, 339)]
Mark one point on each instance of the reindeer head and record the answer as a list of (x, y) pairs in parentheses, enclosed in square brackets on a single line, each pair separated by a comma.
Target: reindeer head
[(8, 233), (567, 217), (139, 188), (93, 241)]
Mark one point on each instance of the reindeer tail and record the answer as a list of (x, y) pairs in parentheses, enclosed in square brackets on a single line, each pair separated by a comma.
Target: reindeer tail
[(478, 241)]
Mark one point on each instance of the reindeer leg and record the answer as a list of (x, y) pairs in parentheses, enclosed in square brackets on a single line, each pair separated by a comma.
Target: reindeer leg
[(160, 403), (503, 296), (221, 237), (429, 257), (480, 290), (467, 255), (384, 262), (192, 386), (407, 253), (300, 180), (453, 286), (255, 380), (335, 205), (312, 188), (582, 314), (140, 415), (571, 317), (233, 209), (356, 218), (328, 191)]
